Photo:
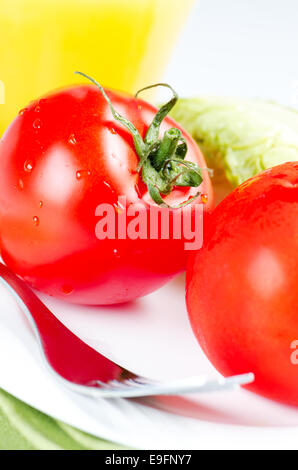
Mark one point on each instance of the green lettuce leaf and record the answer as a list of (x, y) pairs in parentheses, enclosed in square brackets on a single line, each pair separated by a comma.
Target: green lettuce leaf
[(240, 137)]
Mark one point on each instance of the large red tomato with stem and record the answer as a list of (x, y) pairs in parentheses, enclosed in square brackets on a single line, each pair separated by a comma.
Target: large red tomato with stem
[(73, 150), (242, 291)]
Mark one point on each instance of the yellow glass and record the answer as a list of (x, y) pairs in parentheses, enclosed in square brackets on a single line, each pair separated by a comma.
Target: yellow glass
[(124, 44)]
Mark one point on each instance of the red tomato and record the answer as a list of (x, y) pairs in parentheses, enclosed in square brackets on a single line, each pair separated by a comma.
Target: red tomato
[(242, 291), (60, 158)]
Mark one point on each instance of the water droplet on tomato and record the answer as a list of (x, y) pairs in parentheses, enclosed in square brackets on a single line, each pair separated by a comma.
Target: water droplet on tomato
[(108, 186), (204, 198), (37, 124), (112, 130), (36, 220), (137, 189), (119, 207), (72, 140), (40, 204), (21, 184), (116, 253), (22, 111), (82, 173), (37, 109), (28, 166), (66, 289)]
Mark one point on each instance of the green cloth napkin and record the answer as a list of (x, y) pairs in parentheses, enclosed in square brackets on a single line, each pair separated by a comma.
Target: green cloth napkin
[(25, 428)]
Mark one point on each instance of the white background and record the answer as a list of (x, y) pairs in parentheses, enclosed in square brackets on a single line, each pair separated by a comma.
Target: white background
[(239, 47)]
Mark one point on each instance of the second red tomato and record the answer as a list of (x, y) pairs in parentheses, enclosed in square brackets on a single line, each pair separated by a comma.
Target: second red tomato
[(242, 286)]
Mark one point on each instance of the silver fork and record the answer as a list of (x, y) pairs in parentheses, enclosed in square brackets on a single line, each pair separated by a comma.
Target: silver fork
[(84, 370)]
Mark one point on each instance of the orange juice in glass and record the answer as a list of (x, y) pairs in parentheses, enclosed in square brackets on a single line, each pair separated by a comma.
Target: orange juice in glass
[(124, 44)]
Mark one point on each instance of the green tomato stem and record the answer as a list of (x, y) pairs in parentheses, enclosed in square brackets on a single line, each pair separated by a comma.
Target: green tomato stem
[(159, 159), (167, 147)]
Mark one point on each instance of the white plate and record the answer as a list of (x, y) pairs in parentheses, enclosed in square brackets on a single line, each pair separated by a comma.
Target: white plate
[(151, 337)]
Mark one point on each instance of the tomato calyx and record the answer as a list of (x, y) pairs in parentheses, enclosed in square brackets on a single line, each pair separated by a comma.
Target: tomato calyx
[(161, 161)]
